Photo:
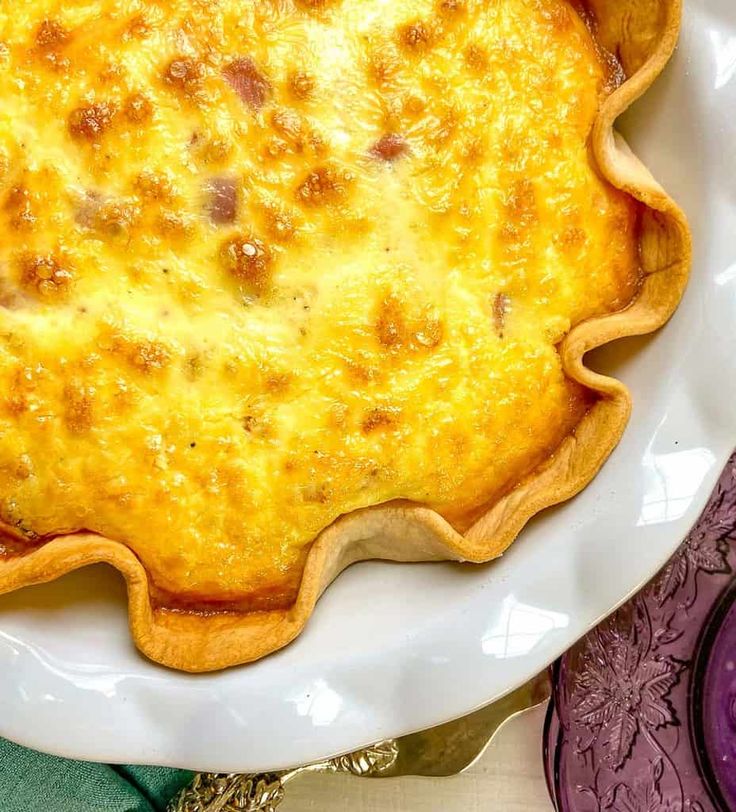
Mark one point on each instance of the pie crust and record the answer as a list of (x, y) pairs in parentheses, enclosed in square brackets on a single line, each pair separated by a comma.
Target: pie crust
[(643, 34)]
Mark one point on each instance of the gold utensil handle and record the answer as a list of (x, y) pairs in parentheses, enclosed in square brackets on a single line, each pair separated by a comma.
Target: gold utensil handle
[(211, 792), (444, 750), (263, 792)]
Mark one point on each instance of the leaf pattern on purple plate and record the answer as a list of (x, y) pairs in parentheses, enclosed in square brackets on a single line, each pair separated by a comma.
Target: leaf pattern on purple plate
[(623, 686), (620, 711)]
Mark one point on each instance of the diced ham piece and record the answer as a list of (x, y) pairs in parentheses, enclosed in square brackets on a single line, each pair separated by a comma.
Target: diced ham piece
[(248, 82), (222, 200)]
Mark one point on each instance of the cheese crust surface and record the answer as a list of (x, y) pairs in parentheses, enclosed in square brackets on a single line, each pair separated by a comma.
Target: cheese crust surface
[(265, 263)]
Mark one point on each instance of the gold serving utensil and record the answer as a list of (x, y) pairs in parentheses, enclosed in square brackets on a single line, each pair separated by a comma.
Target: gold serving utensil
[(445, 750)]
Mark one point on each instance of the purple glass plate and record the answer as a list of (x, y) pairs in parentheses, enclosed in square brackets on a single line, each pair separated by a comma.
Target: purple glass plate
[(643, 716)]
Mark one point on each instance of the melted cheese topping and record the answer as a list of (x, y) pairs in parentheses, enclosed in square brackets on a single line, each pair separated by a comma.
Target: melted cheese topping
[(263, 263)]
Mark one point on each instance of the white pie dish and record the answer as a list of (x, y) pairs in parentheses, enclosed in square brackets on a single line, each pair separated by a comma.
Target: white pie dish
[(393, 649)]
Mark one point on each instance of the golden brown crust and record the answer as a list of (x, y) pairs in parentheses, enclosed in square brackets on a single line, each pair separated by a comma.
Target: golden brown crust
[(643, 33)]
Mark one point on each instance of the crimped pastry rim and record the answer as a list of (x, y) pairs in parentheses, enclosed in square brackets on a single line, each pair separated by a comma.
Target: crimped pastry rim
[(403, 531)]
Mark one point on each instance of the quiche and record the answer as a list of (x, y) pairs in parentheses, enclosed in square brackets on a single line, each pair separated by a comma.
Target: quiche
[(287, 284)]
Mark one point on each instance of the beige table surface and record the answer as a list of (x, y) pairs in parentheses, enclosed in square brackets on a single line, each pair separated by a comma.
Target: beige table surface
[(508, 778)]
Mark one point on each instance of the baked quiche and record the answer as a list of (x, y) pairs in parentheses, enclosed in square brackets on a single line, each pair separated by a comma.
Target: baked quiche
[(286, 284)]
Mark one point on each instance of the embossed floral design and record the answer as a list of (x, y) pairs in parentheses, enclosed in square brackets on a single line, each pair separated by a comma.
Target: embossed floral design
[(623, 686), (644, 795), (623, 694), (705, 548)]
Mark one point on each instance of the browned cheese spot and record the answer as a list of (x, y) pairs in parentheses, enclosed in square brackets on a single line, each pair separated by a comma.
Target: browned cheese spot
[(213, 150), (362, 367), (44, 275), (476, 58), (248, 82), (571, 238), (521, 201), (415, 36), (78, 407), (51, 35), (18, 204), (445, 129), (384, 63), (138, 108), (380, 417), (111, 73), (91, 122), (429, 332), (289, 125), (279, 224), (115, 217), (24, 467), (51, 38), (472, 150), (257, 425), (396, 331), (391, 324), (301, 85), (275, 147), (153, 186), (390, 147), (222, 200), (16, 400), (174, 225), (185, 75), (413, 105), (322, 186), (147, 355), (194, 366), (521, 210), (277, 382), (138, 28), (249, 260)]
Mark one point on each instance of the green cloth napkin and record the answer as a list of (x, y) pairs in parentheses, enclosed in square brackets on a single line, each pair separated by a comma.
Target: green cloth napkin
[(34, 782)]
